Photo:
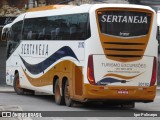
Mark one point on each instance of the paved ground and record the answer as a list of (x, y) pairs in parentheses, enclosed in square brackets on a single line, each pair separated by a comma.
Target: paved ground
[(10, 89), (10, 101)]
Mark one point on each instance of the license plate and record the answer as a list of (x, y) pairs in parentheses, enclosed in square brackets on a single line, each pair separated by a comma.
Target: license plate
[(122, 91)]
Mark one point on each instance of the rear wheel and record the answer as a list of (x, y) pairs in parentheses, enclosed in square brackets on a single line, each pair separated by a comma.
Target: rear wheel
[(16, 85), (68, 101), (58, 98)]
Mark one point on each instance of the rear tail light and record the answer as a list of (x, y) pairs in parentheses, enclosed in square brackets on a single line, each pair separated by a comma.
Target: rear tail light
[(154, 72), (90, 70)]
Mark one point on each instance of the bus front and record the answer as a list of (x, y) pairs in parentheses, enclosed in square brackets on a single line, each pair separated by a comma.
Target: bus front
[(122, 54)]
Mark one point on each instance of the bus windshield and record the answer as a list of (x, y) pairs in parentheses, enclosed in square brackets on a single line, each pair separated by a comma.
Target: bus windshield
[(124, 23)]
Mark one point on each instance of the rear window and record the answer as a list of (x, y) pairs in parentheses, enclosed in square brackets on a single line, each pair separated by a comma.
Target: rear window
[(124, 23)]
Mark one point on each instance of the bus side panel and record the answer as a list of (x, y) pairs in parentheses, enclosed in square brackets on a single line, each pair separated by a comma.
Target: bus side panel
[(37, 70)]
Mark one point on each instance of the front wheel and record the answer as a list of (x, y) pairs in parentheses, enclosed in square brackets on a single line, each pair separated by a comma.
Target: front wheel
[(16, 85), (68, 101)]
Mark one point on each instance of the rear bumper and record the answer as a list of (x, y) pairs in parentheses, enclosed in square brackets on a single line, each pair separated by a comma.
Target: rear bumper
[(138, 93)]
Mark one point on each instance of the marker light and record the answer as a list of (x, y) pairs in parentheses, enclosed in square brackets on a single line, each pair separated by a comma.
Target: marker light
[(154, 72), (90, 70)]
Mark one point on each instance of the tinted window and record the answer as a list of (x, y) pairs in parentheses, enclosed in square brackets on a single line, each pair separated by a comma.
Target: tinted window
[(14, 37), (16, 31), (66, 27), (124, 23)]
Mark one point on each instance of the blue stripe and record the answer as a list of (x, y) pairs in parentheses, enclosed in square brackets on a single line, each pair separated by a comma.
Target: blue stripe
[(40, 67), (107, 81)]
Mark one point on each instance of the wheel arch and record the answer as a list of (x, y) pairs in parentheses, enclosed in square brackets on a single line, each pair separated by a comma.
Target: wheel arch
[(15, 72)]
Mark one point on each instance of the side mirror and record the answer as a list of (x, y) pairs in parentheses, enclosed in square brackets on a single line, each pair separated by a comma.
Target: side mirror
[(4, 37)]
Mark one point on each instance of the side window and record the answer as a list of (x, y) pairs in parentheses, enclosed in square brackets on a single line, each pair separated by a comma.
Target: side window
[(69, 27), (28, 29), (35, 29), (41, 28), (74, 27), (14, 37), (57, 27), (84, 26), (63, 27), (16, 31), (62, 31)]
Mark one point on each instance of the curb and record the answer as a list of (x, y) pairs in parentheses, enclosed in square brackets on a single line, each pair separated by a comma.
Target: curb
[(6, 89)]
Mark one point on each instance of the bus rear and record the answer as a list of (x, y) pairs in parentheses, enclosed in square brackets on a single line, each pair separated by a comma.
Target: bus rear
[(122, 54)]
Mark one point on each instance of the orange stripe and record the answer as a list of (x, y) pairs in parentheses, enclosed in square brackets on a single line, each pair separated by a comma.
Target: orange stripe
[(47, 78), (122, 77)]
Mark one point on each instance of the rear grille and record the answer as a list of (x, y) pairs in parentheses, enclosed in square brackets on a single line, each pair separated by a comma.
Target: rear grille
[(121, 43), (125, 56), (124, 50), (115, 49)]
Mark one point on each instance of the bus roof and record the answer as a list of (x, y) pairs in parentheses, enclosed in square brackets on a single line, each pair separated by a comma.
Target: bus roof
[(50, 7), (71, 9)]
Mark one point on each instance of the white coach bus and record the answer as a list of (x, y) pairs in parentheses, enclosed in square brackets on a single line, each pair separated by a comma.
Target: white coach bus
[(101, 52)]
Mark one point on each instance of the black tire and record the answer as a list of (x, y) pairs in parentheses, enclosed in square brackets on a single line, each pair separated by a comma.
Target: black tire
[(29, 92), (68, 101), (16, 85), (58, 98)]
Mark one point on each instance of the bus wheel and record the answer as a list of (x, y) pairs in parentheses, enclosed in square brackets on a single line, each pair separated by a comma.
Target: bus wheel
[(68, 101), (58, 98), (16, 85), (29, 92)]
